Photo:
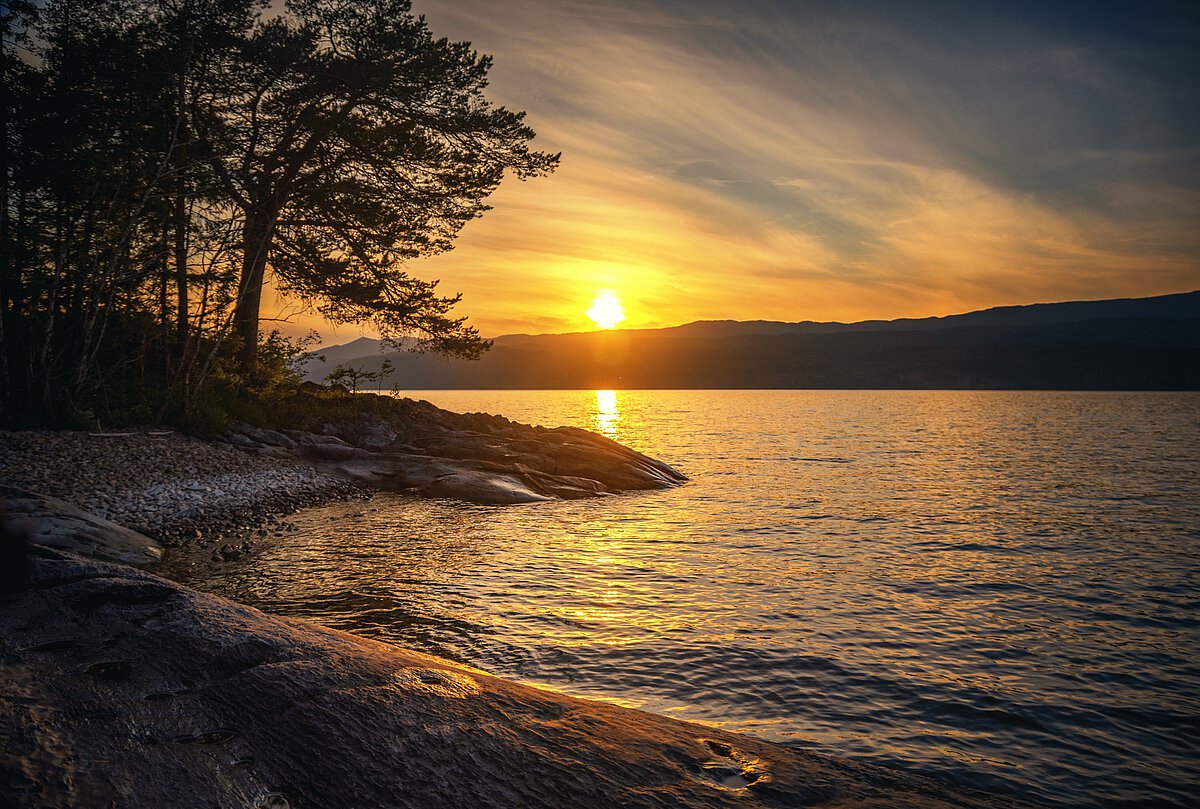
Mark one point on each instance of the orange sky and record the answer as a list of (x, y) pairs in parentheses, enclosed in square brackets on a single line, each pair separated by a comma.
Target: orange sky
[(750, 162)]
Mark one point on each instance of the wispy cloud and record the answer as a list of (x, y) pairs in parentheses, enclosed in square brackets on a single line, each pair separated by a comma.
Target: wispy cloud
[(792, 160)]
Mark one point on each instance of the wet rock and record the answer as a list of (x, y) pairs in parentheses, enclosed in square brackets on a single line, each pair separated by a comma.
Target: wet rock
[(222, 705), (482, 487)]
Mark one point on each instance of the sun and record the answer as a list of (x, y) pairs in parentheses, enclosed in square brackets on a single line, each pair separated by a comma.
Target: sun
[(606, 310)]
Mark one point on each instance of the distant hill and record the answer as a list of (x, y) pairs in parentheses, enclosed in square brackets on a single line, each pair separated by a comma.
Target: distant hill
[(362, 347), (1128, 344)]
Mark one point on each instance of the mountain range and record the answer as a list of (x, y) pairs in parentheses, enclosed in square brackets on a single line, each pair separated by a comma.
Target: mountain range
[(1127, 344)]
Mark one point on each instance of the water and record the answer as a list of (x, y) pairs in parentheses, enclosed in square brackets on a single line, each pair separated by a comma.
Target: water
[(996, 588)]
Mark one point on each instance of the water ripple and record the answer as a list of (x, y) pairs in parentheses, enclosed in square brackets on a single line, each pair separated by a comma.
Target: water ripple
[(996, 588)]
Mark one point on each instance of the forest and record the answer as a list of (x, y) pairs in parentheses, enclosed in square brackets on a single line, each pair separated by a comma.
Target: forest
[(165, 160)]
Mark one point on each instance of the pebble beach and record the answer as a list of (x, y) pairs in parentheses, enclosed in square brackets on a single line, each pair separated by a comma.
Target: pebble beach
[(171, 487)]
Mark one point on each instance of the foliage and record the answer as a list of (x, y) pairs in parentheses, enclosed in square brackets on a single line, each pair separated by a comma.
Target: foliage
[(307, 407), (371, 143), (349, 376), (281, 361), (164, 158)]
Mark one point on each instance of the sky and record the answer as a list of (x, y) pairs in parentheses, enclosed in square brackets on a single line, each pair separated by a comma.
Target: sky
[(776, 160)]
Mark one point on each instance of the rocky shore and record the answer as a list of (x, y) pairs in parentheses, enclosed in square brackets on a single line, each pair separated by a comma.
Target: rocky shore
[(170, 487), (122, 689), (414, 447), (241, 483)]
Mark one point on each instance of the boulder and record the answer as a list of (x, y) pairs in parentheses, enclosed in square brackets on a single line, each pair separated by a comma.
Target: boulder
[(482, 487), (56, 523)]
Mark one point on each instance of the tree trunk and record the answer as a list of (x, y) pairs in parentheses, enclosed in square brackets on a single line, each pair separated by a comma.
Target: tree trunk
[(257, 234), (164, 305), (181, 230), (181, 282)]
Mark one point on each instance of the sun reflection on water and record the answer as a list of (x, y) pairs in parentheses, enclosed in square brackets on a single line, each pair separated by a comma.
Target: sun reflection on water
[(607, 415), (842, 568)]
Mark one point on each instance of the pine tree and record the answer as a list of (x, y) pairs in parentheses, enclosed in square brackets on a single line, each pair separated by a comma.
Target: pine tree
[(352, 140)]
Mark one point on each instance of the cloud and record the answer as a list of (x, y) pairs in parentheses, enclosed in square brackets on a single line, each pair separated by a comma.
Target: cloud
[(805, 160)]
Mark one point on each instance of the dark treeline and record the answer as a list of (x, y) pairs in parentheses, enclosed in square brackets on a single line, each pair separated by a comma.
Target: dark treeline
[(164, 158)]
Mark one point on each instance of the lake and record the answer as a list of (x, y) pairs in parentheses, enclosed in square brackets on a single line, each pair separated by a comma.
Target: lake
[(996, 588)]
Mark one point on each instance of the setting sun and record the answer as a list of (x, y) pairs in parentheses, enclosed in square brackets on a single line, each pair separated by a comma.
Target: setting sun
[(606, 310)]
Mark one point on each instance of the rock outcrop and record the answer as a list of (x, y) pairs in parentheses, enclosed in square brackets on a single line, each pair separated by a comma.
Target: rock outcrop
[(476, 457), (118, 688), (57, 524)]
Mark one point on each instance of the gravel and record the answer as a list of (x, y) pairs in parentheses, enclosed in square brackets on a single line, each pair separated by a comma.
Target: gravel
[(176, 489)]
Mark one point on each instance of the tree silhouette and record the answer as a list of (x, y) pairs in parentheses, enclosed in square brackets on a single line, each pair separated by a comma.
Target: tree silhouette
[(162, 157), (352, 377), (351, 140)]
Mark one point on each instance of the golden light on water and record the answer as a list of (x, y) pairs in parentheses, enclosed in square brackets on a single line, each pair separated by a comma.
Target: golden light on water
[(606, 310), (607, 414)]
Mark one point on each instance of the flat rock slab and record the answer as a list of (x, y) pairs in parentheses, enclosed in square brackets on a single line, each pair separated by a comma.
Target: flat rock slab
[(122, 689), (57, 524)]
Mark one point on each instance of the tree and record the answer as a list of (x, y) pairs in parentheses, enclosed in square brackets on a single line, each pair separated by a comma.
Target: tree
[(82, 176), (102, 186), (162, 156), (351, 377), (351, 140), (188, 42), (16, 90)]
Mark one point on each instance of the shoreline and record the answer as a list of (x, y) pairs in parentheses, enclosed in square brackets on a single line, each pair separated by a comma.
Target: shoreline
[(97, 667), (173, 488), (255, 710)]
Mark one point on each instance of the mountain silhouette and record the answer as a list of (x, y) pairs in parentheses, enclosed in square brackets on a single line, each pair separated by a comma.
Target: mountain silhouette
[(1127, 344)]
